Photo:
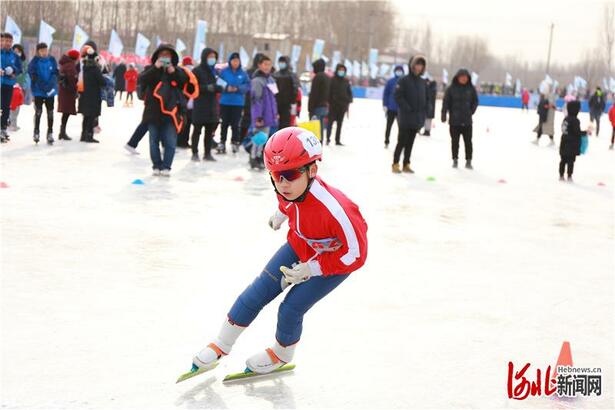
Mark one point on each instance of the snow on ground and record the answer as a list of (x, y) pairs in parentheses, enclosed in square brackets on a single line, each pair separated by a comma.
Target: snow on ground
[(109, 288)]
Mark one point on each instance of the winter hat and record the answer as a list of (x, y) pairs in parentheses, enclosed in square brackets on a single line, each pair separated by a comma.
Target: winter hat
[(207, 51), (21, 50), (187, 60), (573, 108), (319, 65), (92, 44), (74, 54), (169, 47), (234, 55), (88, 51), (41, 46)]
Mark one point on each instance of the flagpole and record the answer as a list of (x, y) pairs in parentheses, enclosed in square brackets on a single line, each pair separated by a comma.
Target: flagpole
[(550, 44)]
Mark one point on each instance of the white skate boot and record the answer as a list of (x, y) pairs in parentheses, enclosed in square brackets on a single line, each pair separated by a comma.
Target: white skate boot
[(271, 359), (221, 346)]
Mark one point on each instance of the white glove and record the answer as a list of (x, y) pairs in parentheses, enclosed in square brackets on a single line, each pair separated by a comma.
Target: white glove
[(8, 70), (299, 273), (277, 219)]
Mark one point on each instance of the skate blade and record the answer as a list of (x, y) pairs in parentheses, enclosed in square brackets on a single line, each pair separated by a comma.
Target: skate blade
[(248, 374), (193, 373)]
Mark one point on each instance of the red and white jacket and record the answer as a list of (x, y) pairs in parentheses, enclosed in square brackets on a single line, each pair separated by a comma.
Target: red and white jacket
[(327, 230)]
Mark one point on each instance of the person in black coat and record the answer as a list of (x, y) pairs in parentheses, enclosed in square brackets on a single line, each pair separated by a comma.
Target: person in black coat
[(90, 99), (411, 98), (319, 95), (205, 111), (460, 102), (165, 105), (570, 145), (118, 76), (340, 97), (288, 85), (432, 90), (597, 103)]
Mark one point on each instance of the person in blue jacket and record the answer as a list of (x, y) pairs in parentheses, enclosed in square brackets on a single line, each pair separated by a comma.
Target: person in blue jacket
[(10, 69), (43, 70), (235, 84), (388, 102)]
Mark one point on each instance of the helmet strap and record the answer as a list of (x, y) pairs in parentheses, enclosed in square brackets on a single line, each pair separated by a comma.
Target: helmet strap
[(301, 197)]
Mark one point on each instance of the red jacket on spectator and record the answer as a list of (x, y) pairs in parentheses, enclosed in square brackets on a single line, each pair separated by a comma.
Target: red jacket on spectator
[(131, 76)]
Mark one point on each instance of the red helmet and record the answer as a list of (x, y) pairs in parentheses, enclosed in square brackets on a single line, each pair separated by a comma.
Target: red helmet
[(290, 148)]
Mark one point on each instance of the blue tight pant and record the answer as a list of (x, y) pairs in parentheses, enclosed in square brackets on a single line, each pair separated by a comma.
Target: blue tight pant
[(297, 302)]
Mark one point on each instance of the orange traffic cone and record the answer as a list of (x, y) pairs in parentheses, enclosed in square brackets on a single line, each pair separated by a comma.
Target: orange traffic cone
[(565, 357)]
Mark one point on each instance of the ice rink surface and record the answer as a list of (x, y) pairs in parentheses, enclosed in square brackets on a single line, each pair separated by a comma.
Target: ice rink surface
[(109, 288)]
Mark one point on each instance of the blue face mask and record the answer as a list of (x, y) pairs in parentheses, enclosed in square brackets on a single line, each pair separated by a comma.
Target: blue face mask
[(399, 73), (282, 66), (341, 73), (211, 61)]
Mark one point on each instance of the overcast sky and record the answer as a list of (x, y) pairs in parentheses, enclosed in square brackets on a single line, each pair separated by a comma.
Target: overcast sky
[(515, 27)]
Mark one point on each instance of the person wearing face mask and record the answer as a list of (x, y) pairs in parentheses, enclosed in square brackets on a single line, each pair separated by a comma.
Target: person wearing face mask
[(165, 105), (67, 90), (205, 111), (411, 98), (388, 102), (288, 86), (263, 90), (9, 70), (340, 97), (235, 83)]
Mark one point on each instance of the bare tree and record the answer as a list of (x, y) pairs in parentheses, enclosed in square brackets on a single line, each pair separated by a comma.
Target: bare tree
[(609, 36)]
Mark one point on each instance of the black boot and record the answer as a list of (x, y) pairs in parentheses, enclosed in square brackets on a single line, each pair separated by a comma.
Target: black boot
[(469, 164)]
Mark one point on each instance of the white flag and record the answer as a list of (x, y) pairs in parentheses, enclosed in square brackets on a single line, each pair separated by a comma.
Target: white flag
[(475, 79), (115, 44), (244, 57), (445, 76), (296, 54), (157, 41), (349, 69), (373, 56), (179, 45), (199, 39), (364, 69), (612, 84), (79, 38), (318, 48), (517, 87), (221, 57), (142, 45), (373, 71), (254, 51), (308, 63), (356, 68), (336, 59), (508, 81), (45, 33), (11, 27), (384, 69), (277, 58)]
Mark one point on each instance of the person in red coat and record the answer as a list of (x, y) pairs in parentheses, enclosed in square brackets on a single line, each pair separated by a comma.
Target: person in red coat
[(67, 90), (525, 99), (130, 76), (612, 119)]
